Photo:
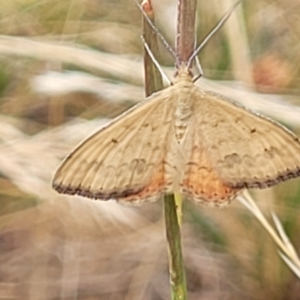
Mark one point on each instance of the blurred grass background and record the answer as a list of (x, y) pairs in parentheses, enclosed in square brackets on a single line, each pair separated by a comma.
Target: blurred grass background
[(66, 67)]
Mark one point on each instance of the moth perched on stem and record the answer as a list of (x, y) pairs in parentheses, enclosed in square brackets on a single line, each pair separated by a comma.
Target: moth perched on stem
[(184, 140)]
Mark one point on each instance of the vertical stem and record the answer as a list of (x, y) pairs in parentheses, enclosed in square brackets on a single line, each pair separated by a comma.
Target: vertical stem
[(153, 79), (177, 270), (186, 21), (153, 82)]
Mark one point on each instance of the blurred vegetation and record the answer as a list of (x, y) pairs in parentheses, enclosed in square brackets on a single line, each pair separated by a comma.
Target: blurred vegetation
[(67, 66)]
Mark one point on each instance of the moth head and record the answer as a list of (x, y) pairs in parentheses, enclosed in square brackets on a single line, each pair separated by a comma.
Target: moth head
[(183, 72)]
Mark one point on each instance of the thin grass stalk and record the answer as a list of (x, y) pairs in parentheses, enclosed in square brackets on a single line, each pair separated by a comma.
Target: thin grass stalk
[(153, 83)]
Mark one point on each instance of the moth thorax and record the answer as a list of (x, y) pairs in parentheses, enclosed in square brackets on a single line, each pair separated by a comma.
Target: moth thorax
[(182, 116)]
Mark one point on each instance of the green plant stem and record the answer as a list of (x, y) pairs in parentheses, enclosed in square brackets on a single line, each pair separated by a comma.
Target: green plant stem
[(177, 270)]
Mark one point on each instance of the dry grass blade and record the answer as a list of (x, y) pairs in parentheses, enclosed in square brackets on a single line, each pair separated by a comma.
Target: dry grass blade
[(290, 256), (73, 54), (290, 264), (285, 239), (237, 37), (293, 260)]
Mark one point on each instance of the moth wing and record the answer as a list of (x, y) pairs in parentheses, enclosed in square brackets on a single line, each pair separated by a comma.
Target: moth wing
[(201, 181), (246, 149), (123, 160)]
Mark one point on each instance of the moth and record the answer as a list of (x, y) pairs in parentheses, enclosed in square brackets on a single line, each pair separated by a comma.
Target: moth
[(184, 140)]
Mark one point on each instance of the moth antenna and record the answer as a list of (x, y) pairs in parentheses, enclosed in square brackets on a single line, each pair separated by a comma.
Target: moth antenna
[(197, 77), (160, 36), (156, 63), (200, 70), (208, 37)]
